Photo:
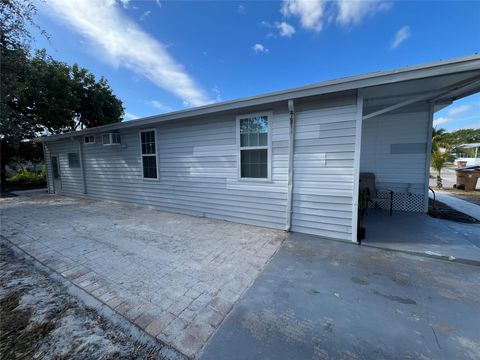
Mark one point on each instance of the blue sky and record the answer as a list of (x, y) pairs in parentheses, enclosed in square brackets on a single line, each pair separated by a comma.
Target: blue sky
[(160, 56)]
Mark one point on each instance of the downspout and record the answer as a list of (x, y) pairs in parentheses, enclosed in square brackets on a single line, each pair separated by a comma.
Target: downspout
[(291, 147), (47, 170), (82, 163)]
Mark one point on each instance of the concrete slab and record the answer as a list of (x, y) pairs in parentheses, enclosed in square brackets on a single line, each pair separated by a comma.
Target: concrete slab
[(463, 206), (164, 272), (420, 233), (320, 299)]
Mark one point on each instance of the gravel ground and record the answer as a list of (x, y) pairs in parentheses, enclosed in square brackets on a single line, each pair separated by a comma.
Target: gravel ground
[(40, 320)]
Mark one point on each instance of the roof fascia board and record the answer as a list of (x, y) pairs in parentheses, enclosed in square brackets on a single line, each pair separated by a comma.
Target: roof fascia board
[(466, 64)]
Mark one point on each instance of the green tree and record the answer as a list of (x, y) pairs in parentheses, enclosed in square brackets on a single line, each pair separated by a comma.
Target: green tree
[(40, 95)]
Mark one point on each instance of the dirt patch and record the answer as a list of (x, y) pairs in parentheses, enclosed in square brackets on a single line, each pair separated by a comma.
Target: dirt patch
[(39, 319), (440, 210)]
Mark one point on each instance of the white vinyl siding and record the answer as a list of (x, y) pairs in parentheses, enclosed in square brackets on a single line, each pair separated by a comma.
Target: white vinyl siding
[(198, 172), (71, 177), (323, 168), (394, 149), (198, 167)]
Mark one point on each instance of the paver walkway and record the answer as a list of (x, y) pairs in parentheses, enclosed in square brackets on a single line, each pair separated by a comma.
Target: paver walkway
[(175, 276)]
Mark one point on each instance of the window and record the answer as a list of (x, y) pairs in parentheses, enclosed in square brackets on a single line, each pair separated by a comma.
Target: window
[(254, 149), (73, 160), (149, 154), (89, 139), (111, 139)]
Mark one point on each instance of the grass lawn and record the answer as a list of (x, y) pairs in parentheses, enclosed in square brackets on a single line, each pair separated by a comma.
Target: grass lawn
[(470, 196)]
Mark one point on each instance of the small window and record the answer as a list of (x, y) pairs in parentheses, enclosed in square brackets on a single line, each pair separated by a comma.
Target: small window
[(73, 160), (111, 139), (89, 139), (254, 146), (149, 154)]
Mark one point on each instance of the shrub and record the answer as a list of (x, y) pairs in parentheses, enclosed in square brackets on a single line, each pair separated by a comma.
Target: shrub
[(27, 178)]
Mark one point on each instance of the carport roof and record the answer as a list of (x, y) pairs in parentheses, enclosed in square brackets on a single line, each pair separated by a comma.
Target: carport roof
[(425, 71)]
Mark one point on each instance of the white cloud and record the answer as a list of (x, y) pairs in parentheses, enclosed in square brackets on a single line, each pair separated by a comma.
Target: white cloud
[(314, 14), (130, 116), (241, 9), (218, 95), (400, 36), (452, 114), (158, 105), (310, 12), (145, 14), (159, 4), (458, 110), (125, 3), (352, 12), (259, 48), (125, 44), (440, 121), (285, 29)]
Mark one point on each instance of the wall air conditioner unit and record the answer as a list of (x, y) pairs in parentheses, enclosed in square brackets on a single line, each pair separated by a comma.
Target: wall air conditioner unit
[(111, 139)]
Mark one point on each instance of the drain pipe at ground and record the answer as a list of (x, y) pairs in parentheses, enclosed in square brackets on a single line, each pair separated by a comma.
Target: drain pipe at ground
[(291, 147)]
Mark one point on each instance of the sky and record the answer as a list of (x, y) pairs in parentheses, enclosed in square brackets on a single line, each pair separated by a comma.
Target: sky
[(160, 56)]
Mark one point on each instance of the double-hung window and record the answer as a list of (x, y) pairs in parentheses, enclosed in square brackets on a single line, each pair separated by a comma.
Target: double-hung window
[(149, 154), (254, 149)]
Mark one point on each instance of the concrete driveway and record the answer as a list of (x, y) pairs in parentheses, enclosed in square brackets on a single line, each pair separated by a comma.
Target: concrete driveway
[(175, 276), (320, 299)]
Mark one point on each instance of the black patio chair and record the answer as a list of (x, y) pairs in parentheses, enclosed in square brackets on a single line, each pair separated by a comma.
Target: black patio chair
[(367, 182)]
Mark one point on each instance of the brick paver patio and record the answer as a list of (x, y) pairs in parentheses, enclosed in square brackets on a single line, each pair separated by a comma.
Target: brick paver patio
[(174, 276)]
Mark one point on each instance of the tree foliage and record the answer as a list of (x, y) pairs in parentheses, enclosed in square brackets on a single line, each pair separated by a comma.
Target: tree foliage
[(451, 140), (40, 95)]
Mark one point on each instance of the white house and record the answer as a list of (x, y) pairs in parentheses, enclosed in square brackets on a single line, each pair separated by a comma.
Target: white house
[(288, 160)]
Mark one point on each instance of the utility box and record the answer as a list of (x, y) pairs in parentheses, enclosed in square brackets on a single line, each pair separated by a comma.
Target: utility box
[(467, 177)]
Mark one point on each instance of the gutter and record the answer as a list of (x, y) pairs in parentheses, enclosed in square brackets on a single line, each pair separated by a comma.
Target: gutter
[(47, 170), (291, 147)]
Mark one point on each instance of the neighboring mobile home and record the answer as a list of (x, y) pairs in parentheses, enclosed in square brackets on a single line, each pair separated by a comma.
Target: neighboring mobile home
[(287, 160)]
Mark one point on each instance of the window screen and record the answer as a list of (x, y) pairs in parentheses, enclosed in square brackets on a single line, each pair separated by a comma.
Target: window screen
[(149, 154), (254, 147)]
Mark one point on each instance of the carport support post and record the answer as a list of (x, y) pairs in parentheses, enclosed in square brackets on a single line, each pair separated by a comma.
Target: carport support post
[(428, 156), (356, 163)]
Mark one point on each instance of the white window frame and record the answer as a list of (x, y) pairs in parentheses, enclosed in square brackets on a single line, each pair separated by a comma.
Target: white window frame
[(110, 138), (269, 115), (89, 142), (142, 155)]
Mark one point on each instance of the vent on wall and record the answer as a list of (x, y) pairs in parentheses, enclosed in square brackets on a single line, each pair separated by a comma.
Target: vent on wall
[(408, 148)]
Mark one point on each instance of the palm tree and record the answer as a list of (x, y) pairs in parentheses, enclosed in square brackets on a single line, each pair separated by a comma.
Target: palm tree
[(438, 139), (437, 162)]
